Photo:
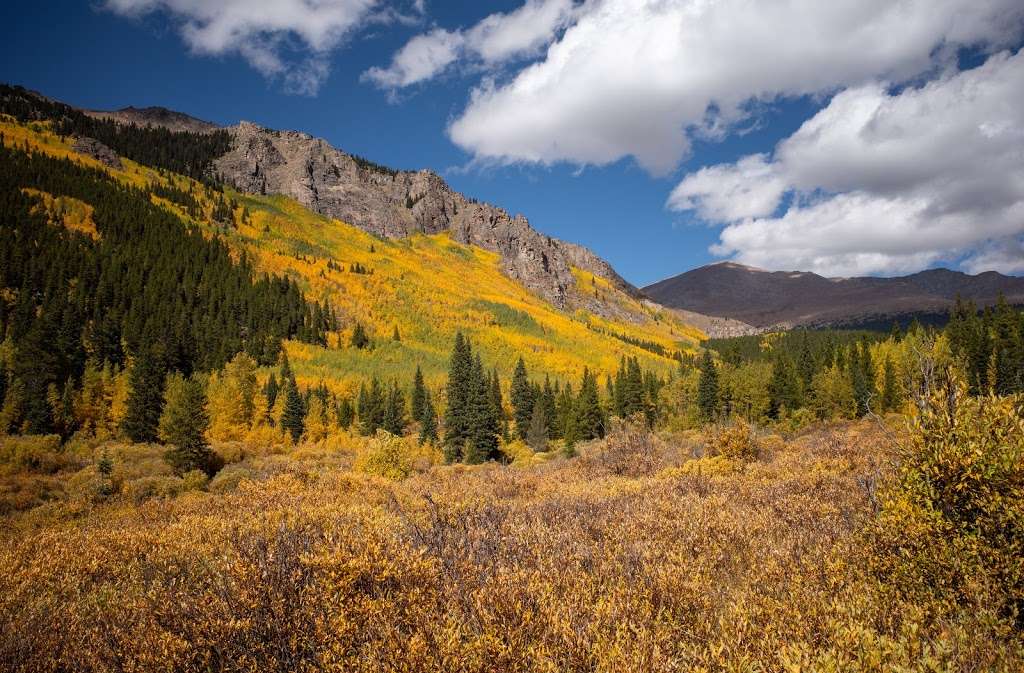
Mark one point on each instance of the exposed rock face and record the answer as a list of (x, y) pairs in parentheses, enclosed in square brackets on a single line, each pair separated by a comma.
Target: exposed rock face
[(396, 204), (155, 116), (97, 150)]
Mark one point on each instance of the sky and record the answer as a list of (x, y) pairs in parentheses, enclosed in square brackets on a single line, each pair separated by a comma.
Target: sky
[(849, 137)]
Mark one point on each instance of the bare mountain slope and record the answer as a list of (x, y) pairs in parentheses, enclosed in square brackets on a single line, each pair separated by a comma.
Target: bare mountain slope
[(155, 116), (789, 298)]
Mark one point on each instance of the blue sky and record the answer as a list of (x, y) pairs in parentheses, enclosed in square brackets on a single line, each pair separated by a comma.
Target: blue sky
[(604, 148)]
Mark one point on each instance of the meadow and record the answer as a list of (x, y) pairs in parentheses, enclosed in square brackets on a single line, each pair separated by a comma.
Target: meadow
[(726, 549)]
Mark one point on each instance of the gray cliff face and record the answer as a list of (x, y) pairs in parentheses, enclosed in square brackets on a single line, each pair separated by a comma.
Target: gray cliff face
[(396, 204)]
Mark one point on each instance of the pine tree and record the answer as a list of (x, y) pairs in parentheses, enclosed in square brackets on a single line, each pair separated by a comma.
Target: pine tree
[(521, 396), (419, 395), (428, 421), (395, 336), (456, 415), (270, 390), (550, 410), (145, 396), (483, 425), (537, 437), (346, 414), (498, 406), (707, 389), (394, 411), (784, 387), (183, 426), (359, 338), (293, 418), (372, 408)]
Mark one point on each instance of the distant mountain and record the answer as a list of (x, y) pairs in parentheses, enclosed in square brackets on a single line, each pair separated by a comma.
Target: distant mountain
[(767, 299), (155, 116)]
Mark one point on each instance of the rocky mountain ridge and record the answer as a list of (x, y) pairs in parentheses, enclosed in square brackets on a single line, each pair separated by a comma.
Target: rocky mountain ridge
[(397, 204), (785, 299)]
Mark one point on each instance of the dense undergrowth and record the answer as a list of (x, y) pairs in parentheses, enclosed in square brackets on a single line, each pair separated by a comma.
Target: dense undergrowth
[(856, 547)]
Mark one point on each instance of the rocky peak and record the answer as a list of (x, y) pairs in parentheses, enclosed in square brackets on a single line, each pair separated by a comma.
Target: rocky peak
[(396, 204)]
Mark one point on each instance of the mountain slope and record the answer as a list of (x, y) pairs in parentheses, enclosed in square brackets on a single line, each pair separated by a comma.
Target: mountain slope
[(155, 116), (427, 286), (396, 204), (783, 298)]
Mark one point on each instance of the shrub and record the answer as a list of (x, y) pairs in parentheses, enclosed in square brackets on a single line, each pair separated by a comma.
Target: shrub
[(385, 456), (229, 478), (33, 453), (194, 480), (629, 449), (952, 520), (147, 488), (734, 442)]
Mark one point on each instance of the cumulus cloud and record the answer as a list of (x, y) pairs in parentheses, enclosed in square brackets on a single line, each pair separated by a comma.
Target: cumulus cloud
[(264, 32), (496, 39), (636, 77), (883, 181)]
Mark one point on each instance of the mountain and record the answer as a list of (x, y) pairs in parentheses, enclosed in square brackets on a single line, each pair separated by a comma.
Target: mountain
[(396, 204), (768, 299), (155, 117), (340, 232)]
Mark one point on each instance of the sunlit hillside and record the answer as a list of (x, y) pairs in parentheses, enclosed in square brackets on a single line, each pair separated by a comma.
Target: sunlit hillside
[(425, 288)]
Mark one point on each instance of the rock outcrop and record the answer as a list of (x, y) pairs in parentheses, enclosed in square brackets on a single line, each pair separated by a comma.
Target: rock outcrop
[(396, 204), (98, 151)]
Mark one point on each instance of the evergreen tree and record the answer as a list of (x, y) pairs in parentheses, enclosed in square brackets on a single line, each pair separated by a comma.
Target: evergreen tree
[(537, 437), (145, 396), (346, 414), (393, 420), (428, 421), (498, 405), (183, 425), (521, 395), (270, 390), (707, 389), (589, 417), (359, 338), (395, 336), (372, 408), (483, 426), (419, 395), (550, 411), (895, 332), (293, 418), (784, 387), (457, 423)]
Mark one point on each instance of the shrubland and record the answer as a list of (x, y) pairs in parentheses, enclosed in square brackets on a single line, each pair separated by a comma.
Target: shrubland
[(857, 546)]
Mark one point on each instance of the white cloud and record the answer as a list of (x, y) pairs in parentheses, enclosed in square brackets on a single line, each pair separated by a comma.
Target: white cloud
[(264, 32), (632, 77), (496, 39), (883, 182), (421, 58), (751, 187)]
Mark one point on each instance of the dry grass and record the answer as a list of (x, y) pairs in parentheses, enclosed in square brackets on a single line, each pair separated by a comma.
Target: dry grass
[(618, 560)]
